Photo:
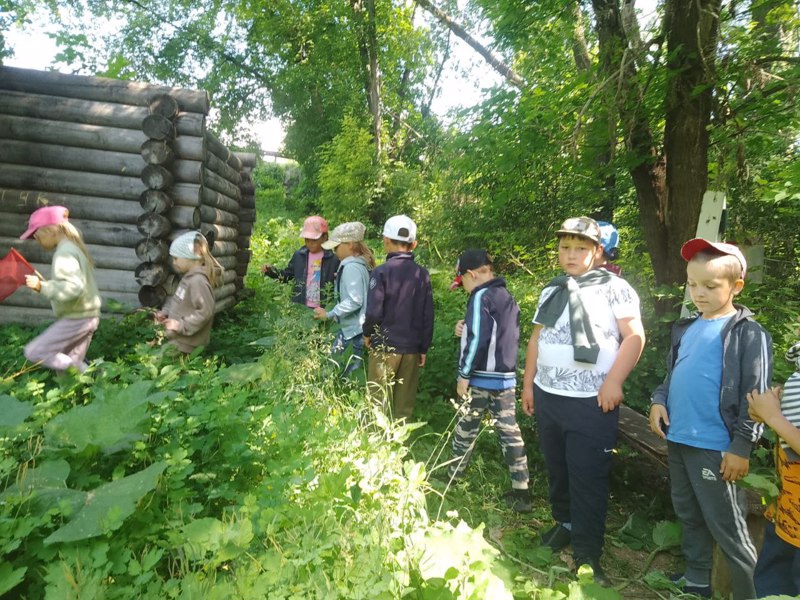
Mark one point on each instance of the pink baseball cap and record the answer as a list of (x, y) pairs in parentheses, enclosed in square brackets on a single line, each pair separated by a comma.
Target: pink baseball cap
[(42, 217), (314, 227), (693, 246)]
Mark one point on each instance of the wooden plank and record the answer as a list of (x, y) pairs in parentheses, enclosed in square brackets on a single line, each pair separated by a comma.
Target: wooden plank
[(73, 158), (106, 257), (67, 181)]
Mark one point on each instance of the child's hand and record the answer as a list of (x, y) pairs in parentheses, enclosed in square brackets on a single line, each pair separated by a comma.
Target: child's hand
[(462, 387), (422, 359), (33, 282), (172, 325), (609, 396), (320, 313), (160, 317), (367, 342), (766, 406), (659, 420), (734, 467), (527, 400), (459, 327), (266, 269)]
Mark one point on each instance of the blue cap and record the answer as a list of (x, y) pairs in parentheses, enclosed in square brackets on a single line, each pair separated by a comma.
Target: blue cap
[(609, 239)]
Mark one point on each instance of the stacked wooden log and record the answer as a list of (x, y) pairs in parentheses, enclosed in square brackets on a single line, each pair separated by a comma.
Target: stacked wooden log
[(135, 165)]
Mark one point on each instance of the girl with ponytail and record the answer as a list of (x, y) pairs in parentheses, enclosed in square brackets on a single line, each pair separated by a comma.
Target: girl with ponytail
[(187, 316)]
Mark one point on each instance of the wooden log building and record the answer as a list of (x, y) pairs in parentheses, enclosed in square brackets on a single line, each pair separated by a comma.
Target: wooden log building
[(136, 166)]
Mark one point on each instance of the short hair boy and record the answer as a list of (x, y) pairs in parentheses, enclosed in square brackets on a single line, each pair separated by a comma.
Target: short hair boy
[(312, 267), (778, 567), (487, 371), (716, 358), (586, 340), (398, 325)]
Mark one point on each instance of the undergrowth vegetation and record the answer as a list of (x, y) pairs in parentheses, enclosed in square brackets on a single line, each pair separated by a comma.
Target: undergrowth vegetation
[(249, 471)]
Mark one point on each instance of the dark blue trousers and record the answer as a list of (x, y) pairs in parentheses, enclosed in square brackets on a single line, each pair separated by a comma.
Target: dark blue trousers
[(778, 567), (577, 440)]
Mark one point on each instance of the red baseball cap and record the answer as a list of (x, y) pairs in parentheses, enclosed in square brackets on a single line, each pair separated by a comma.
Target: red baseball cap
[(693, 246)]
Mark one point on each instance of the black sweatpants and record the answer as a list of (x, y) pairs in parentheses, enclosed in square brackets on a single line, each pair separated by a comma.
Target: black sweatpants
[(577, 440)]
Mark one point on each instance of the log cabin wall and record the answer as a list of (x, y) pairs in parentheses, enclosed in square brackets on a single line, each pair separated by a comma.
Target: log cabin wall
[(136, 166)]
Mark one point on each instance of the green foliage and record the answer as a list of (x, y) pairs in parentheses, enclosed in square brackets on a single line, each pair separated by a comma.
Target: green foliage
[(348, 174)]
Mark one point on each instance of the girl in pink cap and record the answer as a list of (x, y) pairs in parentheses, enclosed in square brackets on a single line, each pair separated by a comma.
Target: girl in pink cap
[(72, 291), (312, 268)]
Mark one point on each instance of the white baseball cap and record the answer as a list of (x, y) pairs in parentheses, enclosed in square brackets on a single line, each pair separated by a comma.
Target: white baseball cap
[(400, 228)]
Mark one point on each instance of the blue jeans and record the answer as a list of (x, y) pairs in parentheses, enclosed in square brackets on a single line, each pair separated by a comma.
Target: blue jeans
[(356, 358), (778, 566)]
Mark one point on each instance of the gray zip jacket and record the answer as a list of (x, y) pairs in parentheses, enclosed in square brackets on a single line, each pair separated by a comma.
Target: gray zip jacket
[(351, 286), (746, 366)]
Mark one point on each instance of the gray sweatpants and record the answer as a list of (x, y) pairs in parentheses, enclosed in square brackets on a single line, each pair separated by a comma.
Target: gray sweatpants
[(63, 344), (711, 509), (502, 405)]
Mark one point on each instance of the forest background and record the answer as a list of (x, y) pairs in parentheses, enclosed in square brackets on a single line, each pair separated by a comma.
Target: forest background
[(595, 116)]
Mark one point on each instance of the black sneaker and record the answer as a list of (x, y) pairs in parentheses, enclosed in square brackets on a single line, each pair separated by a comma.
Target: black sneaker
[(518, 500), (599, 575), (557, 537), (679, 581)]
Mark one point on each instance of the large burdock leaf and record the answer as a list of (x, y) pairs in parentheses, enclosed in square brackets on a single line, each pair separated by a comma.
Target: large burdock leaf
[(45, 486), (112, 422), (106, 507), (12, 411)]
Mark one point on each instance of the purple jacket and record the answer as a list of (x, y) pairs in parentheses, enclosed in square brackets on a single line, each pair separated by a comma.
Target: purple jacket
[(400, 306)]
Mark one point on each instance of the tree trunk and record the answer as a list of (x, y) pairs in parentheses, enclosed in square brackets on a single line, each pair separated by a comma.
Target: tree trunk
[(647, 166), (691, 27), (228, 234), (189, 147)]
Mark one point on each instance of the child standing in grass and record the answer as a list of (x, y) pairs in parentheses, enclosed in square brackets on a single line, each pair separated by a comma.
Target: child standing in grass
[(188, 314), (487, 371), (72, 292), (778, 567), (350, 288), (312, 268), (587, 337), (398, 326), (716, 358)]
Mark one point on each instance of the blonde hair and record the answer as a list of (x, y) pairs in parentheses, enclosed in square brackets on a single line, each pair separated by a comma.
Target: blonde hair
[(361, 249), (213, 269), (727, 265), (69, 231)]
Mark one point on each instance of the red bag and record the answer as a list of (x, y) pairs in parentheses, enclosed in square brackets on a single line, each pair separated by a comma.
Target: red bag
[(13, 268)]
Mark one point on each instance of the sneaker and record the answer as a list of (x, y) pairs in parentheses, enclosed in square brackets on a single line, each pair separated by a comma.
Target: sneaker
[(557, 537), (679, 581), (598, 574), (518, 500)]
